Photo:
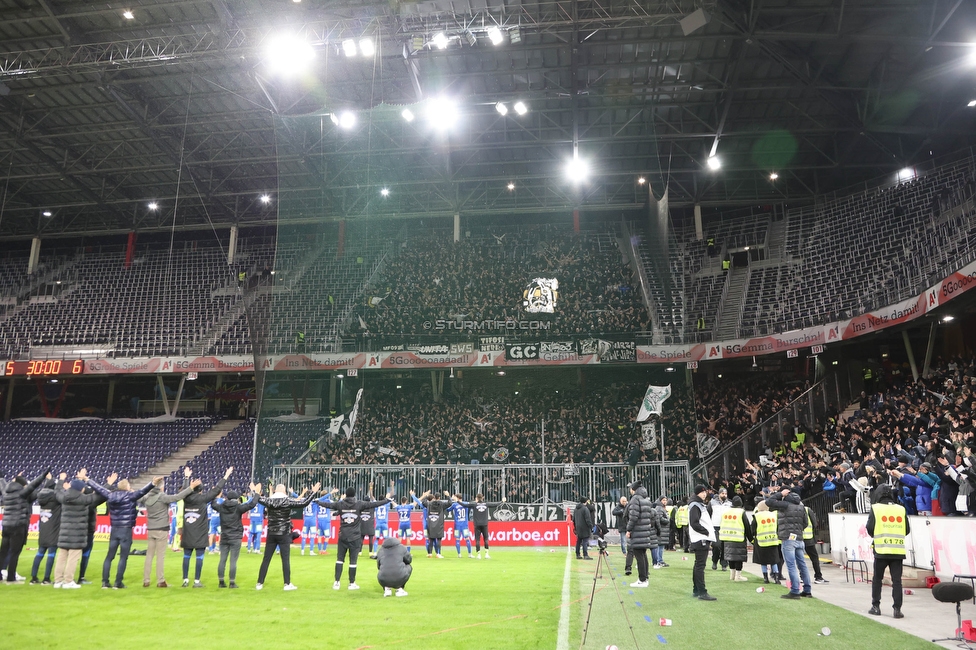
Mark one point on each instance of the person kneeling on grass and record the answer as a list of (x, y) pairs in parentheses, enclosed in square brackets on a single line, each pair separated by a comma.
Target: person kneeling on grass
[(393, 566), (277, 508)]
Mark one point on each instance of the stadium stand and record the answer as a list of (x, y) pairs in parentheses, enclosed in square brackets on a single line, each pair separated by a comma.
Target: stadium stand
[(233, 450)]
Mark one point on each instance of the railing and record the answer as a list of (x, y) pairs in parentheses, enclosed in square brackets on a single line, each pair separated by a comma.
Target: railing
[(809, 409), (518, 483)]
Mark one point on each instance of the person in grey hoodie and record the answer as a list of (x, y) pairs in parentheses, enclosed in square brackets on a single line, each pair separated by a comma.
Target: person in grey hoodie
[(156, 504), (393, 564)]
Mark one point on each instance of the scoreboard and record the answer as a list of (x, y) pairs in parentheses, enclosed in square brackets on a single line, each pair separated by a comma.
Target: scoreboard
[(43, 368)]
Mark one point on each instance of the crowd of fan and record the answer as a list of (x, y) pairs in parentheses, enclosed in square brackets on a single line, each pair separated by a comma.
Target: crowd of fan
[(728, 408), (485, 279), (916, 436)]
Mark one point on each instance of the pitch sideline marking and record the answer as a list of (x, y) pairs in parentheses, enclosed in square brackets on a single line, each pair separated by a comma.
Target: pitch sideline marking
[(562, 638)]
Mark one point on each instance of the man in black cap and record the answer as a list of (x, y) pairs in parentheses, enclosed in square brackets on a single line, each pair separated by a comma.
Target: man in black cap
[(231, 510), (18, 497), (349, 511), (701, 535)]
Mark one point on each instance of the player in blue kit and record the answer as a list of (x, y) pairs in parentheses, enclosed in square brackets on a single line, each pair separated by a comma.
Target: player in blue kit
[(423, 509), (256, 525), (382, 526), (174, 516), (459, 509), (324, 523), (310, 526), (404, 513), (214, 535)]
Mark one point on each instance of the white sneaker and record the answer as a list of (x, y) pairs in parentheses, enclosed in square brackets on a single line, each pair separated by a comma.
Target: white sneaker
[(58, 585), (387, 592), (401, 593), (290, 587), (471, 557), (259, 586), (487, 557), (303, 551), (71, 585), (336, 585), (478, 555), (441, 557), (639, 583), (353, 586)]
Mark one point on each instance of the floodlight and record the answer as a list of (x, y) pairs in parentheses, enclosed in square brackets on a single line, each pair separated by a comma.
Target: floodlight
[(515, 36), (442, 112), (511, 187), (265, 199), (385, 192), (366, 47), (972, 102), (440, 40), (153, 206), (948, 319), (641, 180), (47, 213), (714, 163), (577, 170), (334, 118), (501, 108), (495, 36), (407, 114), (773, 176), (471, 39), (347, 119), (289, 55), (906, 174), (128, 15), (520, 108)]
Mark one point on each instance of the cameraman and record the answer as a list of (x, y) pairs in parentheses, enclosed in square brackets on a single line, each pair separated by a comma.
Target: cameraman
[(583, 523)]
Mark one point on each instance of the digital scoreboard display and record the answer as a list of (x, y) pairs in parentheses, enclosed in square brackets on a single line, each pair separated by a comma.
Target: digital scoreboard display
[(43, 368)]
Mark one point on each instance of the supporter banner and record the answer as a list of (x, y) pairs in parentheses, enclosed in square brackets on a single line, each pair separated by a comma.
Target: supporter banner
[(491, 344), (521, 351), (609, 351), (540, 296), (654, 399), (649, 436)]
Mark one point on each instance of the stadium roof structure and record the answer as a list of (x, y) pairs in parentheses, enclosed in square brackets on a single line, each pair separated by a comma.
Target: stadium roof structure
[(106, 107)]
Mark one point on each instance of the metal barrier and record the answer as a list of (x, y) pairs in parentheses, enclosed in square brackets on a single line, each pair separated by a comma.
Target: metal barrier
[(518, 483)]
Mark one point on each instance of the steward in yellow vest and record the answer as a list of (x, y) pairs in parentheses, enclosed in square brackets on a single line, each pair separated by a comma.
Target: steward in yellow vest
[(766, 547), (734, 532), (888, 526)]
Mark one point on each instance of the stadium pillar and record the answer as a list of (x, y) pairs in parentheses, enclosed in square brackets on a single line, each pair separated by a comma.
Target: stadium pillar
[(179, 393), (111, 397), (217, 385), (35, 255), (457, 226), (232, 246), (130, 249), (10, 399), (576, 221), (911, 355), (332, 393), (162, 393), (927, 366), (699, 231)]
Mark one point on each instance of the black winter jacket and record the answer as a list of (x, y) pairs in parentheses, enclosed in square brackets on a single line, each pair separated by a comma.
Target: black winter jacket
[(349, 509), (75, 507), (435, 516), (17, 500), (620, 516), (278, 507), (231, 512), (792, 517), (49, 524), (393, 564), (643, 521), (196, 523), (583, 520), (122, 504)]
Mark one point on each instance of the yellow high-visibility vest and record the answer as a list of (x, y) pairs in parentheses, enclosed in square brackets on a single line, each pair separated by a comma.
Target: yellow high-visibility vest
[(681, 519), (889, 529), (733, 526), (766, 528), (669, 509), (808, 531)]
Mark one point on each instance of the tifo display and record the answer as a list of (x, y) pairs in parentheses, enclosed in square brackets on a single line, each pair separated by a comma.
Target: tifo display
[(43, 368)]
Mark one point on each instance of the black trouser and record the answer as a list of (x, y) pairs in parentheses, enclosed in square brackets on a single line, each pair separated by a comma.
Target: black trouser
[(11, 544), (353, 547), (811, 550), (735, 566), (231, 547), (281, 542), (479, 533), (700, 550), (641, 555), (396, 584), (894, 566), (717, 553), (86, 555), (629, 562), (583, 543), (120, 539)]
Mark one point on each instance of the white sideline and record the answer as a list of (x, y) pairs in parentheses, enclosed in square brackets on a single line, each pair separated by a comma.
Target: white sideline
[(562, 638)]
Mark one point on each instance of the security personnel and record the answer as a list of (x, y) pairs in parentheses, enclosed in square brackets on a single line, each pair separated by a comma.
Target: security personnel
[(732, 534), (868, 375), (701, 323), (888, 525), (726, 265), (766, 551), (810, 546), (681, 523)]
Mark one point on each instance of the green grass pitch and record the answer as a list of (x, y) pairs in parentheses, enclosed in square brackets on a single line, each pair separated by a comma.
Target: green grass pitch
[(513, 600)]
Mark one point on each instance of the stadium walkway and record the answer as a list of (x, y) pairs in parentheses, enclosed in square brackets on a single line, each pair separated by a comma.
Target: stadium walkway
[(925, 617)]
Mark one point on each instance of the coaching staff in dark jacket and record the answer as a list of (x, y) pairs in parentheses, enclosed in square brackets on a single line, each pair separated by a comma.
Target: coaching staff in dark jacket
[(196, 525), (122, 505), (583, 525), (643, 530), (277, 508), (349, 511), (231, 510), (435, 520), (73, 536), (48, 527), (17, 499)]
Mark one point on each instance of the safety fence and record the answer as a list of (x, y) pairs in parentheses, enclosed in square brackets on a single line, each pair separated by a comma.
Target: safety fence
[(517, 483)]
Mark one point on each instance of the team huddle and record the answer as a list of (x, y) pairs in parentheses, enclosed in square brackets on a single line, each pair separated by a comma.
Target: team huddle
[(195, 520)]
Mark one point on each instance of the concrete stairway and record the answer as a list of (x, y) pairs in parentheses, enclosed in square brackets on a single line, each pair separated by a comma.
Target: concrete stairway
[(728, 320), (185, 454)]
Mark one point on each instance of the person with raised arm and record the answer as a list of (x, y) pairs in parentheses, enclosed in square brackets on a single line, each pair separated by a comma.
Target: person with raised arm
[(158, 512), (277, 509), (196, 525)]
